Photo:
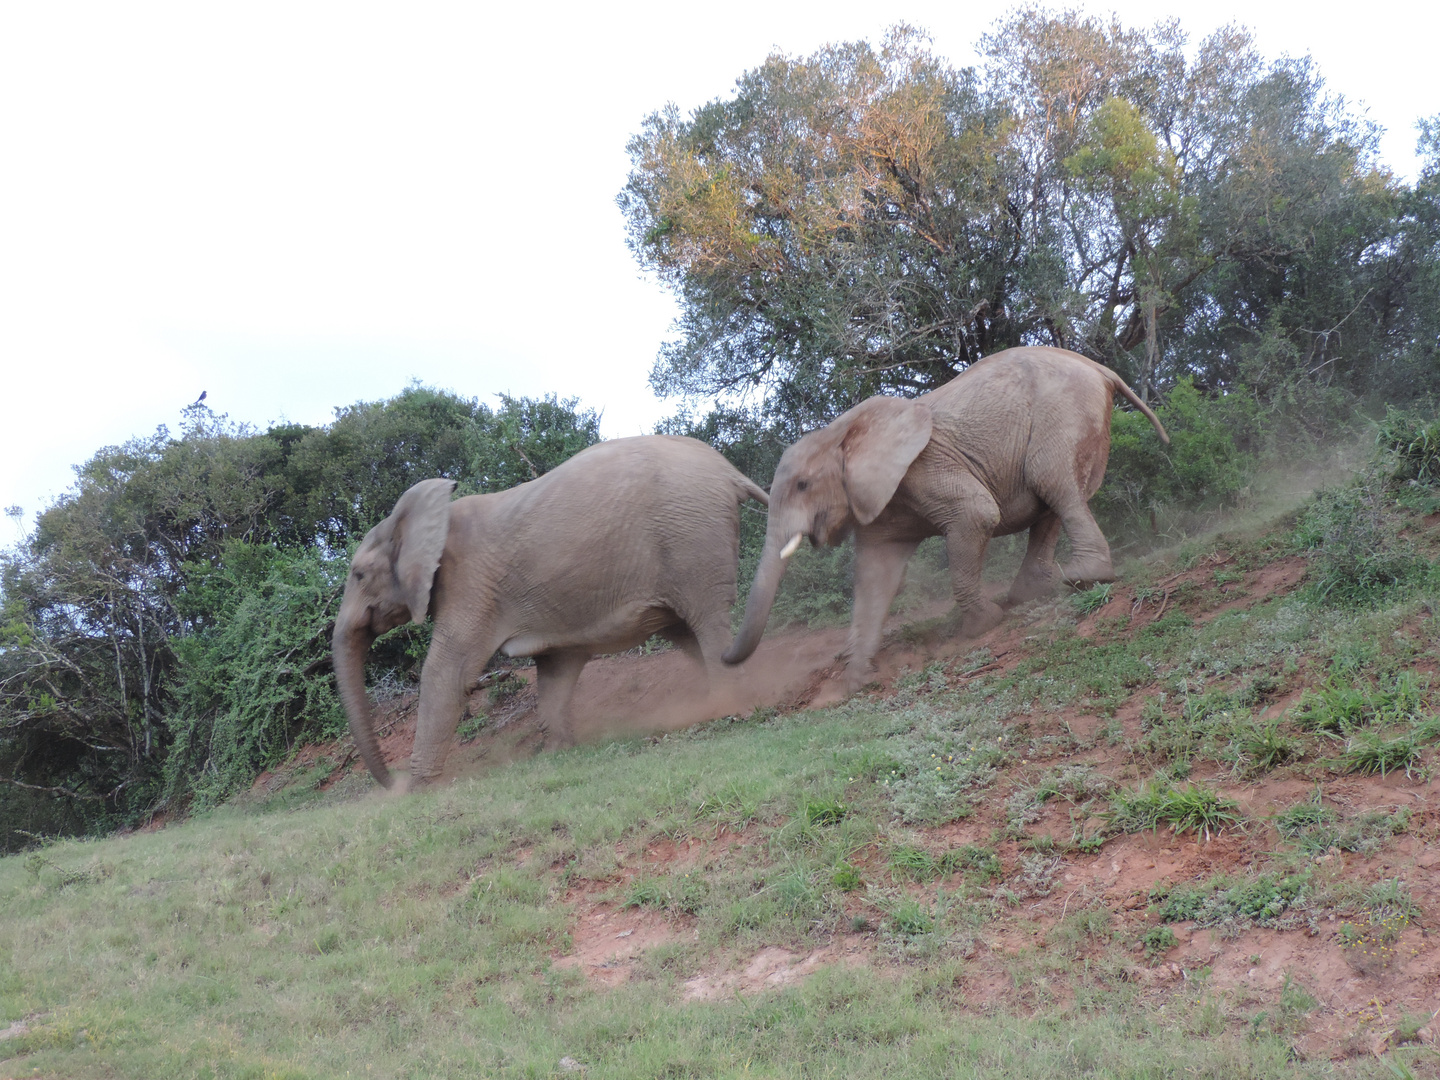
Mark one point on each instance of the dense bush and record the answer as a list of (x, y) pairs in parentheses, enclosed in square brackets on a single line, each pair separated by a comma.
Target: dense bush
[(1209, 461), (254, 675)]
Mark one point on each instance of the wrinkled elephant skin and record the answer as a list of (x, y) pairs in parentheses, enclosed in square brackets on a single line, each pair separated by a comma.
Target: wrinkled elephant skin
[(1017, 441), (629, 538)]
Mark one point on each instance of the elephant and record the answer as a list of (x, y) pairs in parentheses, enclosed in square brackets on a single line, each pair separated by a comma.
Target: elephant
[(629, 538), (1019, 440)]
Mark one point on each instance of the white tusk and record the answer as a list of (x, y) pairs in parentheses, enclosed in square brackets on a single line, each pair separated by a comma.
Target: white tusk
[(790, 548)]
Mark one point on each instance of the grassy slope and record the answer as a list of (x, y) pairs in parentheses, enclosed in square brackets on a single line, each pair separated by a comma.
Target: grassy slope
[(918, 837)]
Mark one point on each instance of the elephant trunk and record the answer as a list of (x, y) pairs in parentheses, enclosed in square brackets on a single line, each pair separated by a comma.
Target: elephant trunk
[(351, 647), (762, 596)]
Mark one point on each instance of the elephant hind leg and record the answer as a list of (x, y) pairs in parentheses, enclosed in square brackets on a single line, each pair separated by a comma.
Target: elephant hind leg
[(555, 676), (1038, 574), (1090, 561)]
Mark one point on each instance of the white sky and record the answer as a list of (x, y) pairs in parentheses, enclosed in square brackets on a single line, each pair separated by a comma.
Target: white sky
[(295, 206)]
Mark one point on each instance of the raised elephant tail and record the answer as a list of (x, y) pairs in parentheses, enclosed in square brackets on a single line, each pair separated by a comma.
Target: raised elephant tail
[(1119, 384), (751, 490)]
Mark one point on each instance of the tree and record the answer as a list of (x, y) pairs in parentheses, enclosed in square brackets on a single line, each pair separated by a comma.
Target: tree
[(871, 221)]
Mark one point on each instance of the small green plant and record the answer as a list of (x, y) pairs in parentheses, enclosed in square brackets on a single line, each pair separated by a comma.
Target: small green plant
[(1263, 898), (1158, 940), (914, 864), (1195, 809), (1370, 943), (910, 919), (1368, 752), (504, 688), (1355, 547), (1295, 821), (1267, 747), (846, 878), (1408, 1027), (1093, 598), (825, 811)]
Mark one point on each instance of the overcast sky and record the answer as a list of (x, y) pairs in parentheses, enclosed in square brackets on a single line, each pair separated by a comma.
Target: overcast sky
[(296, 206)]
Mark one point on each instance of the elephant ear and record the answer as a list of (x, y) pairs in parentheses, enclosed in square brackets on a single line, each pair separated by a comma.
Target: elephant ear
[(421, 522), (883, 436)]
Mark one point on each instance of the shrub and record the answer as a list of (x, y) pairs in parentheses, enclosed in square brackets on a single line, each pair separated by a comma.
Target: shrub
[(1204, 467), (252, 679), (1354, 546)]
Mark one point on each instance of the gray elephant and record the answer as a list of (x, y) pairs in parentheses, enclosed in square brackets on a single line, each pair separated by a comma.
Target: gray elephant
[(629, 538), (1017, 441)]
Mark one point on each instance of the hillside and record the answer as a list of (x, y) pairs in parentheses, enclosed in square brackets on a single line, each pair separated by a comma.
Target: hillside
[(1184, 824)]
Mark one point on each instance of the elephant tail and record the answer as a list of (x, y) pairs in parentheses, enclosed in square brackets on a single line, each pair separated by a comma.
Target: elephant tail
[(1119, 384), (751, 490)]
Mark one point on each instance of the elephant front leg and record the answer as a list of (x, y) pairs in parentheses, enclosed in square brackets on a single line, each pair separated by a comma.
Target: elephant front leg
[(442, 695), (555, 677), (879, 573)]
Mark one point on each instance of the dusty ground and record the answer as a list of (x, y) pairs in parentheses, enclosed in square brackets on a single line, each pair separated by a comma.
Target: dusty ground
[(1010, 961)]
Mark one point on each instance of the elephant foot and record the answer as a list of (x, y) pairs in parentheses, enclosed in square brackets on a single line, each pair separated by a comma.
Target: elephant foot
[(557, 740), (980, 619), (857, 677), (1087, 572), (1029, 587)]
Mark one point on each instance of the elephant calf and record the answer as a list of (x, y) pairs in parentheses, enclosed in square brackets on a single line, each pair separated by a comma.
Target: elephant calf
[(629, 538), (1017, 441)]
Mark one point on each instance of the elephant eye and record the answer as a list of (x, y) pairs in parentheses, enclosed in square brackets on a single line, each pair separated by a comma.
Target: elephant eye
[(801, 485)]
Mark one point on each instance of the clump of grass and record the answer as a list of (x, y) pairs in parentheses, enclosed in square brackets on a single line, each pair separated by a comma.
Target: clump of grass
[(1195, 809), (1368, 752), (1266, 747), (1080, 929), (1355, 547), (914, 863), (1092, 599), (1262, 899), (846, 878), (683, 894), (1340, 707), (825, 811)]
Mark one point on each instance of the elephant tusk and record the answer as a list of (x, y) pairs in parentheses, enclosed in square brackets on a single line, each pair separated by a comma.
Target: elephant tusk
[(789, 549)]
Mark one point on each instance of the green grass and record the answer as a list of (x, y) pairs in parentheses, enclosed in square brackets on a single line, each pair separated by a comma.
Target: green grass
[(325, 933), (1196, 809), (416, 935)]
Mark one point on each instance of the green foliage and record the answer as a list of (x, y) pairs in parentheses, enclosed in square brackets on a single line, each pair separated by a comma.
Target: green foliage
[(1315, 828), (1158, 940), (825, 811), (1195, 809), (1371, 752), (1355, 546), (872, 219), (1410, 446), (1205, 466), (1263, 899), (253, 677), (1093, 598)]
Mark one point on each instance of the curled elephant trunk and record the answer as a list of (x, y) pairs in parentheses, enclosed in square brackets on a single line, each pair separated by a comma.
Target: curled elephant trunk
[(351, 647), (762, 596)]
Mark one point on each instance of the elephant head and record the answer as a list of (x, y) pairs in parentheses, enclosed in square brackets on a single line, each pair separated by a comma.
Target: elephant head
[(389, 584), (831, 480)]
